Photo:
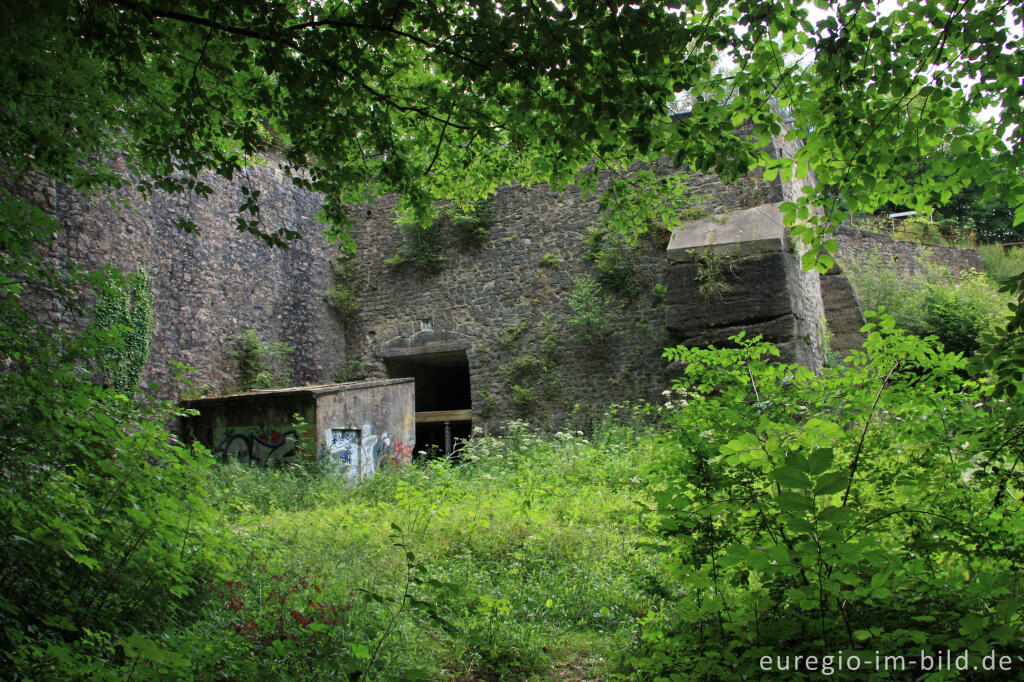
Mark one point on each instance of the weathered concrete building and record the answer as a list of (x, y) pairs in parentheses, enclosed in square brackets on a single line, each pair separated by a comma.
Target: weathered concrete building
[(355, 428)]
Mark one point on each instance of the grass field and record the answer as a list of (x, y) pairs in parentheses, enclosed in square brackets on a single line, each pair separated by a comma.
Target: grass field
[(521, 560)]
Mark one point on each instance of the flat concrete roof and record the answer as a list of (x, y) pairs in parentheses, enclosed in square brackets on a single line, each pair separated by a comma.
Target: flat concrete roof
[(314, 391)]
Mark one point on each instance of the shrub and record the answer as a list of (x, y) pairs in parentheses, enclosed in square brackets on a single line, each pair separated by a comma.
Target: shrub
[(1002, 263), (550, 260), (421, 247), (928, 305), (104, 533), (261, 364), (472, 223), (614, 258), (594, 315), (842, 514), (342, 297)]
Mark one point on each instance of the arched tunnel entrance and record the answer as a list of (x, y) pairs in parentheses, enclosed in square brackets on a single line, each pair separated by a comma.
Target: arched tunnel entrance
[(444, 400)]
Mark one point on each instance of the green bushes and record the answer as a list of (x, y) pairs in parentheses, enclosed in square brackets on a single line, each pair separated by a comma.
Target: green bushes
[(866, 509), (422, 244), (614, 257), (1002, 263), (473, 222), (261, 364), (105, 536), (957, 314), (595, 316), (342, 297)]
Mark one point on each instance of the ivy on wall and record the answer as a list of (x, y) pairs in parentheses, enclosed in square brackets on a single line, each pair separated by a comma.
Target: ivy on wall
[(124, 304), (341, 298)]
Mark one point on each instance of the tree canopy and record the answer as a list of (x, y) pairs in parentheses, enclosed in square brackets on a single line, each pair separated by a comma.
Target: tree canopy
[(449, 99)]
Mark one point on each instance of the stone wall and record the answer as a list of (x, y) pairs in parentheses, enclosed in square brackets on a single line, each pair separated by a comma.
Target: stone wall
[(502, 305), (905, 257), (212, 286), (485, 294)]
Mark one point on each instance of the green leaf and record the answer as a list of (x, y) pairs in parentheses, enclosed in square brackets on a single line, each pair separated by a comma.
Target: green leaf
[(820, 460), (832, 482), (790, 477), (793, 502)]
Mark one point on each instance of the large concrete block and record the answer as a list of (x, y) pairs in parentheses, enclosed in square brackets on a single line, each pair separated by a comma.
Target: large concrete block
[(748, 290), (739, 233)]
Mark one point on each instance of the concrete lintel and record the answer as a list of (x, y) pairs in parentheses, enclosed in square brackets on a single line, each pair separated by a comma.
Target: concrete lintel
[(737, 234), (423, 343)]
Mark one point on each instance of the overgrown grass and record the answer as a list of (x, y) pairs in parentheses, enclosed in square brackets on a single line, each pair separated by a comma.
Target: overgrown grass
[(517, 562)]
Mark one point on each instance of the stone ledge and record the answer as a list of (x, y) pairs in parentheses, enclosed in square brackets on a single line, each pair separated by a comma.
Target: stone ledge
[(737, 234)]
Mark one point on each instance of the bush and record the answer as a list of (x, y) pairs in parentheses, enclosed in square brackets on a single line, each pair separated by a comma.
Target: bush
[(104, 533), (421, 247), (594, 315), (1002, 263), (956, 314), (342, 297), (857, 511), (472, 223), (261, 364), (614, 258)]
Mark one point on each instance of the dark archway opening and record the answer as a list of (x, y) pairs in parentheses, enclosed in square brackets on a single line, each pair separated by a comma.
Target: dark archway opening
[(443, 398)]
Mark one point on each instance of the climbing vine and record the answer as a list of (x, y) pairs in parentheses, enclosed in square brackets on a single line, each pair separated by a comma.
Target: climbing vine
[(124, 304)]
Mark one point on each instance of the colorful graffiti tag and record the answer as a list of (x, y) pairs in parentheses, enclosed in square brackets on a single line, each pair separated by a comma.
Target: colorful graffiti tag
[(343, 446), (402, 452), (360, 452), (256, 445)]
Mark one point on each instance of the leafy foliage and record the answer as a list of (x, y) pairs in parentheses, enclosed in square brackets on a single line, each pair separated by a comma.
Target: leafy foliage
[(261, 364), (1002, 263), (614, 257), (421, 247), (105, 532), (858, 510), (712, 268), (595, 316), (125, 306), (520, 555), (472, 222), (991, 218), (343, 296), (956, 313)]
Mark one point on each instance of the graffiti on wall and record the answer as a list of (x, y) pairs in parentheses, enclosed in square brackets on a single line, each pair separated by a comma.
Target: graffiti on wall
[(257, 445), (343, 447), (402, 452), (361, 452)]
